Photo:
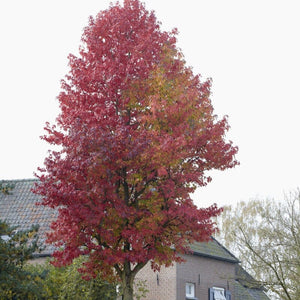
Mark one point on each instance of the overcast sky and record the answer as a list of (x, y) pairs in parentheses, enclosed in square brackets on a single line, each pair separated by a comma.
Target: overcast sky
[(250, 49)]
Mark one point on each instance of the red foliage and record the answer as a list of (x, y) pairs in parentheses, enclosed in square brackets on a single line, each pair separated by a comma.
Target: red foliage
[(137, 133)]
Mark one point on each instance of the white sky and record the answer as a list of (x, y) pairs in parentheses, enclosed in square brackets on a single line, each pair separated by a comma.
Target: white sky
[(251, 50)]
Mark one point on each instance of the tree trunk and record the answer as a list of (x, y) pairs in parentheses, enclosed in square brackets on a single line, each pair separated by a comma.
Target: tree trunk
[(128, 292), (127, 282), (127, 276)]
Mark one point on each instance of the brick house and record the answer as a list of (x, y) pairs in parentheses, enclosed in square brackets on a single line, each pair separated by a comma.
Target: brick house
[(210, 271)]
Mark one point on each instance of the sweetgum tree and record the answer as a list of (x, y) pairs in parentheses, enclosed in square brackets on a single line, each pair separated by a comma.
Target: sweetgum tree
[(137, 133)]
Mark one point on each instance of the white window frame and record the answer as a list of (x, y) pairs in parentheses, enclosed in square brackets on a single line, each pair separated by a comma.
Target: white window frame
[(190, 290)]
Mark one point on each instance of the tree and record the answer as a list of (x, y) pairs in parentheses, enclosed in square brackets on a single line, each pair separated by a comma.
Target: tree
[(137, 133), (265, 235), (16, 247), (67, 283)]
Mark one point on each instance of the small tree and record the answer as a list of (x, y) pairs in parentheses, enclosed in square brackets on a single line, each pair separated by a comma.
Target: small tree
[(265, 235), (67, 283), (137, 134), (16, 247)]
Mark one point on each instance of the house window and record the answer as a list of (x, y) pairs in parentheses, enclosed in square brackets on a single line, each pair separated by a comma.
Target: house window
[(190, 290), (219, 294), (216, 293)]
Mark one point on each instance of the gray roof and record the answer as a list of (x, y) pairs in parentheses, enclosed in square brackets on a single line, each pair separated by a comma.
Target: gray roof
[(213, 249), (18, 208), (245, 293), (246, 287)]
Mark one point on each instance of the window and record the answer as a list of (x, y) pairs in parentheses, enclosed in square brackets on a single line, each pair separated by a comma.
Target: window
[(216, 293), (219, 294), (190, 290)]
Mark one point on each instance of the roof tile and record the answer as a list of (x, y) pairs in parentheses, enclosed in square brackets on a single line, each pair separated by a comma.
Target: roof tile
[(18, 208)]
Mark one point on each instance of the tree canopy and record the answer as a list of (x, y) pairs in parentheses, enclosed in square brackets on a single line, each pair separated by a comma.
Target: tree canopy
[(137, 134), (265, 235)]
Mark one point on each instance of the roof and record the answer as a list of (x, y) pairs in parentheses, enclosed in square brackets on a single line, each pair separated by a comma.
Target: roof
[(213, 249), (246, 287), (18, 208), (245, 293)]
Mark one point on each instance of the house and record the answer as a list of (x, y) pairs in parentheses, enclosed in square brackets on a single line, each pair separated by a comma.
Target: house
[(210, 271)]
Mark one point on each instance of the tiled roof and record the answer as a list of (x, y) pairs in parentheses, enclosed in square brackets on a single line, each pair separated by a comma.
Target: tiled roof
[(244, 293), (18, 208), (246, 287), (213, 249)]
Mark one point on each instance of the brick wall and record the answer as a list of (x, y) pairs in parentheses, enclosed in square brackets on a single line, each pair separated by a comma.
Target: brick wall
[(204, 273), (162, 285)]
